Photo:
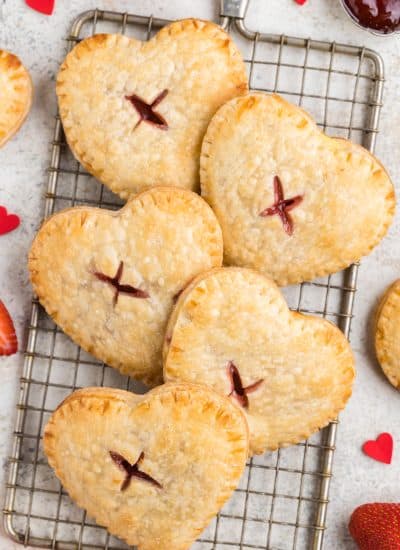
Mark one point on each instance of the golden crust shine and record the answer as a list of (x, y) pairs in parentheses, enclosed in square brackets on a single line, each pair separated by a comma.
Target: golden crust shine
[(195, 444), (99, 121), (387, 332), (238, 315), (164, 237), (347, 203), (15, 95)]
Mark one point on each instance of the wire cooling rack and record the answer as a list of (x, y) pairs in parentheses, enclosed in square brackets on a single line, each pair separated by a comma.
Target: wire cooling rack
[(282, 499)]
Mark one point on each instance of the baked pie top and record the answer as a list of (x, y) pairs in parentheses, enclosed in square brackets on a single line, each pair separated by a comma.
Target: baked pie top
[(110, 279), (289, 373), (15, 95), (387, 330), (292, 202), (135, 113), (155, 468)]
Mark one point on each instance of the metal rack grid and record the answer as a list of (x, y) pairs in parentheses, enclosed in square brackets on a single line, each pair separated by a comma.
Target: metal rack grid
[(282, 500)]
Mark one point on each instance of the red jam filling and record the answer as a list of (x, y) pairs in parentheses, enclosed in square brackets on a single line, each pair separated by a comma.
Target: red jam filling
[(282, 206), (124, 289), (132, 470), (146, 111), (379, 15), (237, 388)]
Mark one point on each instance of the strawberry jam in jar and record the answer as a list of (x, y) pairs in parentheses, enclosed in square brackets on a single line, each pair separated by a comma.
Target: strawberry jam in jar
[(379, 16)]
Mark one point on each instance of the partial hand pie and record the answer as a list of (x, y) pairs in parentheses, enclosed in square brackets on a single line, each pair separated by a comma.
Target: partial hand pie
[(387, 343), (110, 279), (290, 373), (292, 202), (15, 95), (153, 469), (135, 113)]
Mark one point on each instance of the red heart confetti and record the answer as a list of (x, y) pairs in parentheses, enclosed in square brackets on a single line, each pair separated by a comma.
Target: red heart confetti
[(300, 2), (8, 222), (42, 6), (380, 449)]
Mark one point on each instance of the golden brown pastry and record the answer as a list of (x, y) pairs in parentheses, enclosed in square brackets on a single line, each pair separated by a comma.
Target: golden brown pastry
[(15, 95), (153, 469), (135, 113), (387, 334), (292, 202), (290, 373), (110, 279)]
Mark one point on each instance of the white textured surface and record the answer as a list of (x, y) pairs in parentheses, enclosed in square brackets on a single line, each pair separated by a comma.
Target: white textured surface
[(374, 406)]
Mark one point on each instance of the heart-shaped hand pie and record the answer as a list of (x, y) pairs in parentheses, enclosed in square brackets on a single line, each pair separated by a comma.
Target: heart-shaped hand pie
[(151, 468), (387, 330), (15, 96), (290, 373), (292, 202), (110, 279), (135, 113)]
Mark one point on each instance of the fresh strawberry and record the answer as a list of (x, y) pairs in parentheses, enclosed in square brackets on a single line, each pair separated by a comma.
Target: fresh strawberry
[(8, 338), (376, 526)]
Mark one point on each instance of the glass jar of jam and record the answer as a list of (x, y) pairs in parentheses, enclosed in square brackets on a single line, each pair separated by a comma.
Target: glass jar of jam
[(378, 16)]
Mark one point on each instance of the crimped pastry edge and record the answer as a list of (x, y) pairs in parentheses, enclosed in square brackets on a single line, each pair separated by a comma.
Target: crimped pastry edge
[(29, 99), (390, 371)]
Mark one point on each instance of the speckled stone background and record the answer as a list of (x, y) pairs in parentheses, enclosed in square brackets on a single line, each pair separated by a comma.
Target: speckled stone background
[(375, 405)]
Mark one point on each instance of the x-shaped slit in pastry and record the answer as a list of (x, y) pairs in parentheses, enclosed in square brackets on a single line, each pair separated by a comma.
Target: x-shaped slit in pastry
[(132, 470), (146, 111), (282, 206), (238, 390), (115, 282)]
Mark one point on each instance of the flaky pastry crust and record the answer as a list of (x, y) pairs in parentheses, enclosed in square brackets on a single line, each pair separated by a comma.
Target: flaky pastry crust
[(298, 369), (194, 61), (157, 243), (339, 198), (194, 444), (15, 95), (387, 332)]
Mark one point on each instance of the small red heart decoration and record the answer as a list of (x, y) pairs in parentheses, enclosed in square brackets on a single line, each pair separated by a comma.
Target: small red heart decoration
[(381, 449), (8, 222), (42, 6), (300, 2)]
